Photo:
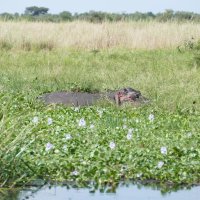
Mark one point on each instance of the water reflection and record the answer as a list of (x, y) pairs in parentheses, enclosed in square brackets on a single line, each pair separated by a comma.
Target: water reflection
[(8, 195), (124, 191)]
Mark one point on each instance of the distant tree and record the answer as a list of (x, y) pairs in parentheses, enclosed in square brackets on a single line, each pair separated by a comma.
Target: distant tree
[(6, 16), (36, 11), (66, 16), (16, 15), (150, 14), (137, 16), (96, 16), (181, 15), (168, 15)]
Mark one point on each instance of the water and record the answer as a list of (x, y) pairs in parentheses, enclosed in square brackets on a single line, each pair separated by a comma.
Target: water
[(130, 192)]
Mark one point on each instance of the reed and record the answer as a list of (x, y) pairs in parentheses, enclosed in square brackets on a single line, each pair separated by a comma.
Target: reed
[(85, 35)]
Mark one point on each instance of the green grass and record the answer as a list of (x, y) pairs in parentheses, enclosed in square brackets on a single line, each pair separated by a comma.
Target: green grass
[(167, 77)]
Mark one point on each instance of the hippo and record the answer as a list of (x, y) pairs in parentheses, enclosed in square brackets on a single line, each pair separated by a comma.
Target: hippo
[(86, 99), (129, 95)]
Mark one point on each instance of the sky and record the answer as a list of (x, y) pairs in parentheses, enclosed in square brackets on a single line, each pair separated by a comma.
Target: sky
[(119, 6)]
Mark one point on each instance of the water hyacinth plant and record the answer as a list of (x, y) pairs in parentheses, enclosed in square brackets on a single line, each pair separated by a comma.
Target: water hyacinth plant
[(82, 122), (35, 120), (68, 136), (92, 126), (129, 136), (151, 117), (112, 145), (49, 146), (63, 150), (75, 173), (49, 121), (160, 164), (163, 150), (103, 143)]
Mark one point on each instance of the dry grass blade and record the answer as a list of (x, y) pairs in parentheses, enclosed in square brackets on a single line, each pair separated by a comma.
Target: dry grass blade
[(85, 35)]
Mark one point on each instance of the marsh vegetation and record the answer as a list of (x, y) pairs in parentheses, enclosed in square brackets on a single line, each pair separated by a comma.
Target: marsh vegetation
[(101, 143)]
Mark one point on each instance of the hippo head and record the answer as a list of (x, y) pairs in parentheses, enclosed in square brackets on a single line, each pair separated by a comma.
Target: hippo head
[(129, 95)]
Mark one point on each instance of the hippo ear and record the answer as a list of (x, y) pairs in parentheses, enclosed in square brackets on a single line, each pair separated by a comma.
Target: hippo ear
[(125, 90)]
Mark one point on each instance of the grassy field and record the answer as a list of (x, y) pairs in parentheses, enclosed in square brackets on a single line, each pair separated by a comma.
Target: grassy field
[(84, 35), (159, 141), (167, 77)]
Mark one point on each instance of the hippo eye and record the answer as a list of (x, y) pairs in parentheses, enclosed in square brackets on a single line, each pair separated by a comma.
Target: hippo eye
[(137, 95)]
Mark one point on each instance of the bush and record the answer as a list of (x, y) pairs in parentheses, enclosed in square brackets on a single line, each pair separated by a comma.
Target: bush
[(193, 46), (5, 45), (196, 49)]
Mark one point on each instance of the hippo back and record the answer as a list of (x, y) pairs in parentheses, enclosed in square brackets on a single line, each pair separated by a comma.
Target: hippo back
[(70, 98)]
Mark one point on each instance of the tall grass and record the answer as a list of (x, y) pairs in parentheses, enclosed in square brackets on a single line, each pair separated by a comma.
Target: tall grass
[(84, 35)]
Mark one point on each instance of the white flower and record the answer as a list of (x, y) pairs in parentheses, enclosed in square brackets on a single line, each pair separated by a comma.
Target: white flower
[(22, 149), (100, 112), (82, 122), (75, 173), (49, 146), (76, 109), (124, 120), (151, 117), (92, 126), (129, 136), (137, 120), (117, 127), (105, 170), (68, 136), (189, 134), (163, 150), (124, 126), (57, 151), (130, 130), (49, 121), (112, 145), (160, 164), (65, 147), (84, 162), (139, 175), (35, 120)]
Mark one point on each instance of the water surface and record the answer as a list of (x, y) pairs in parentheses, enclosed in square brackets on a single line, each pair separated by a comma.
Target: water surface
[(126, 192)]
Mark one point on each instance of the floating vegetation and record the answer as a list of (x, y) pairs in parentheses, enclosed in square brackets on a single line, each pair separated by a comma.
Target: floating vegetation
[(104, 145)]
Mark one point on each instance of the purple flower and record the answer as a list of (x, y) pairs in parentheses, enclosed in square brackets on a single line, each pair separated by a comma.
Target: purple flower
[(75, 173), (49, 121), (68, 136), (49, 146), (112, 145), (163, 150), (160, 164), (151, 117), (129, 136), (82, 122)]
